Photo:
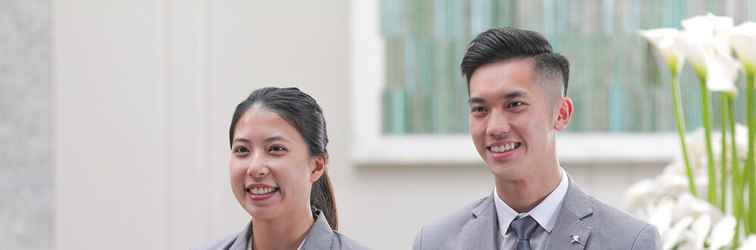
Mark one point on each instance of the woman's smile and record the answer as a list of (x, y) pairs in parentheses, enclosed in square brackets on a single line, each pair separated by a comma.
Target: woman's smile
[(261, 192)]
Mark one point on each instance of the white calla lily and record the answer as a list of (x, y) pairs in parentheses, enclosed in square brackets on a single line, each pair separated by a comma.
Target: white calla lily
[(713, 31), (694, 50), (708, 23), (749, 243), (701, 34), (661, 217), (721, 72), (722, 233), (665, 41), (639, 193), (673, 236), (705, 42), (701, 228), (743, 41)]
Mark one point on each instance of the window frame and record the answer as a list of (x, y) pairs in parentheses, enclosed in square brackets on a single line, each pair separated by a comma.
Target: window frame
[(370, 147)]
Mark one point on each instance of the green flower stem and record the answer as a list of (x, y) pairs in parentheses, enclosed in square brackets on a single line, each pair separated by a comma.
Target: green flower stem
[(749, 169), (680, 124), (724, 97), (737, 189), (706, 115)]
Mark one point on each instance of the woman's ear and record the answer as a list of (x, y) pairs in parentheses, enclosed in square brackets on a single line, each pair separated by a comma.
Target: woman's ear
[(317, 167), (564, 114)]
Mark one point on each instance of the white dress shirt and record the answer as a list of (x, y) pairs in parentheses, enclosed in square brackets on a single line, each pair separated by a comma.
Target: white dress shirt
[(545, 213)]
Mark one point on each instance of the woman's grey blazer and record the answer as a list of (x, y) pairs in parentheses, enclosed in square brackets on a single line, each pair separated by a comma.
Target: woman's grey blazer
[(319, 237)]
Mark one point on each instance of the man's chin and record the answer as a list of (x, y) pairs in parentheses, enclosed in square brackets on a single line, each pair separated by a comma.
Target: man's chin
[(507, 169)]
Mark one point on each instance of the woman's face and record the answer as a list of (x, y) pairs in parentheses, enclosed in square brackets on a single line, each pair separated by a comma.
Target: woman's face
[(271, 168)]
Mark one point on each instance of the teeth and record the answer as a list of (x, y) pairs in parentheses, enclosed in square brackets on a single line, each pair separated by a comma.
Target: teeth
[(503, 148), (260, 190)]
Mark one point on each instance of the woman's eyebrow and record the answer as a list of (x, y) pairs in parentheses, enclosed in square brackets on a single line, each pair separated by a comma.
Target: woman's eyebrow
[(275, 138), (243, 140)]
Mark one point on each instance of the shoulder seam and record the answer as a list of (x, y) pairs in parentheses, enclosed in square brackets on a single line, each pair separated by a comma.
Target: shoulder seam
[(635, 242)]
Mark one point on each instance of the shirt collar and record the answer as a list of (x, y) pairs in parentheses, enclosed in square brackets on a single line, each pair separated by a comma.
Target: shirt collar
[(545, 213)]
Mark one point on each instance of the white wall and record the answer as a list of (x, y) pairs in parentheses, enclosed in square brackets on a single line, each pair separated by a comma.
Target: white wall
[(143, 94), (25, 171)]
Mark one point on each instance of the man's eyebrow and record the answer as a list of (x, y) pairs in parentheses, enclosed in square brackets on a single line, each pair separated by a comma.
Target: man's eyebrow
[(515, 94), (476, 100), (509, 96)]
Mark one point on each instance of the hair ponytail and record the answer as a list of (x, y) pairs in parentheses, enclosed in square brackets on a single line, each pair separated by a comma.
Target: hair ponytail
[(321, 197)]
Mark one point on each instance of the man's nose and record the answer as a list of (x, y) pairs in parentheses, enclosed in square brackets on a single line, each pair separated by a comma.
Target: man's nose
[(498, 124)]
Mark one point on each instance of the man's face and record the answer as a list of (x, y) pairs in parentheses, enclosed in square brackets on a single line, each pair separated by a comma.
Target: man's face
[(513, 118)]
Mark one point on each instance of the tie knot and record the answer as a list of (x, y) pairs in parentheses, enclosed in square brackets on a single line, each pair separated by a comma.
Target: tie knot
[(523, 227)]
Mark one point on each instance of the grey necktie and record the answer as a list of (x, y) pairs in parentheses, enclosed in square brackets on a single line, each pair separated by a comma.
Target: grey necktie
[(523, 227)]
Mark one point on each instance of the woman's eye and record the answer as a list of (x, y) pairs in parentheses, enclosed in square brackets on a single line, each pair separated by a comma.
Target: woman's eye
[(241, 151), (277, 149)]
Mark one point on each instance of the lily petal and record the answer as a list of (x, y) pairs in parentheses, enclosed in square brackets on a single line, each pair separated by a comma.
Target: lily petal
[(749, 243), (721, 72), (706, 43), (665, 41), (722, 233), (743, 40), (675, 234), (701, 230), (707, 25)]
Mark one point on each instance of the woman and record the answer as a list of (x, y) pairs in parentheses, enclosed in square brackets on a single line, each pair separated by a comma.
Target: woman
[(278, 174)]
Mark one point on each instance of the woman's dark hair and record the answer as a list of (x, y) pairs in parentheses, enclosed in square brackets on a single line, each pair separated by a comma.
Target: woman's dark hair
[(303, 113)]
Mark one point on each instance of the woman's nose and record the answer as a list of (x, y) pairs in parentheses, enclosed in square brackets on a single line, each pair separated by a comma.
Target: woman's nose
[(258, 168)]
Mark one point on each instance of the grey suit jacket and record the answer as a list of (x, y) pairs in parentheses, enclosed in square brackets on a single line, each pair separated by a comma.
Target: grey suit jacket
[(319, 237), (598, 227)]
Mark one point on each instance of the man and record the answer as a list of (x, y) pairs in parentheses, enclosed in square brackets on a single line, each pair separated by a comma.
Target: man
[(517, 95)]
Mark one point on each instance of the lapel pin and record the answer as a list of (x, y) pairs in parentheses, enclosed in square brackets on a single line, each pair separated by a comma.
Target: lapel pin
[(575, 239)]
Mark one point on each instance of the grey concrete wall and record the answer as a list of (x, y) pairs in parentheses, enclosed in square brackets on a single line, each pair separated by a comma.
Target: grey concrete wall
[(25, 169)]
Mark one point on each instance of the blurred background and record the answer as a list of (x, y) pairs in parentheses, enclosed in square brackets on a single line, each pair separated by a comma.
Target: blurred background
[(114, 114)]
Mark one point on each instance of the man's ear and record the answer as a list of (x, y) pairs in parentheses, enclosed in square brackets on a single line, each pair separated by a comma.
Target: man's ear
[(564, 113), (317, 167)]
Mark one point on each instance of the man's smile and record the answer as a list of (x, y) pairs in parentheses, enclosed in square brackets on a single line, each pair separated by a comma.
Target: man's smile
[(503, 148)]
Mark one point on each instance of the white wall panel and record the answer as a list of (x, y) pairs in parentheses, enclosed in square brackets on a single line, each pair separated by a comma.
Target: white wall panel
[(109, 133)]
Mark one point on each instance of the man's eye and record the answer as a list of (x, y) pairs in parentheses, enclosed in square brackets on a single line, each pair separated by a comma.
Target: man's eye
[(477, 109), (516, 104)]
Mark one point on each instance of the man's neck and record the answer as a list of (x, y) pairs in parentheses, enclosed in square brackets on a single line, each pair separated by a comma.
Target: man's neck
[(282, 233), (524, 194)]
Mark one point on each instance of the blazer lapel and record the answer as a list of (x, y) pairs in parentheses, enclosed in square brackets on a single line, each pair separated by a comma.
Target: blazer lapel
[(480, 231), (572, 230), (320, 234), (242, 239)]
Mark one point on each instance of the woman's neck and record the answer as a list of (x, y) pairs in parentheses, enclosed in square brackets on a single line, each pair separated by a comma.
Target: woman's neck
[(283, 233)]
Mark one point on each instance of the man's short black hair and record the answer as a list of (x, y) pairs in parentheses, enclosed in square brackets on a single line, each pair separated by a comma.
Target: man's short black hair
[(501, 44)]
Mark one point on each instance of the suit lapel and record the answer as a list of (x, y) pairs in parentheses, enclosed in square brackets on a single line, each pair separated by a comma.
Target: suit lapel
[(320, 234), (318, 237), (573, 229), (480, 231), (242, 239)]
